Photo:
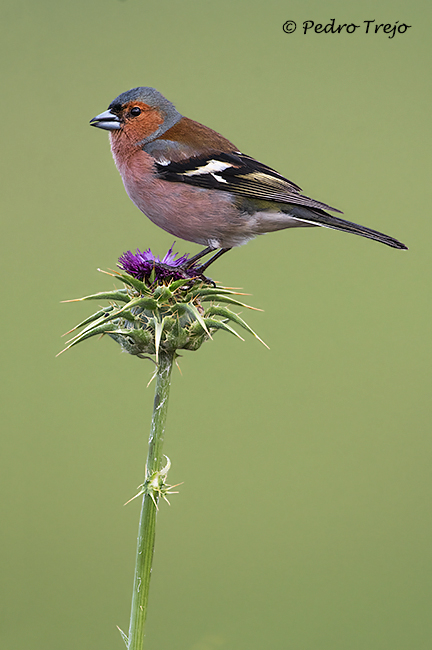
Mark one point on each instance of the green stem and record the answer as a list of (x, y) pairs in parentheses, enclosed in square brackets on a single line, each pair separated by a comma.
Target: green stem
[(147, 524)]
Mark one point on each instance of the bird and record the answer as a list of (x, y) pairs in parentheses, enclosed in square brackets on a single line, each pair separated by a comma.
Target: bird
[(198, 186)]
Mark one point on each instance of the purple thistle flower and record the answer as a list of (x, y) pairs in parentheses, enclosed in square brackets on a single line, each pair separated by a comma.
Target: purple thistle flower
[(141, 264)]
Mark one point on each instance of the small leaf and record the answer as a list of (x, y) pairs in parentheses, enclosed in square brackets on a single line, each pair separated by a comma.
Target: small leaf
[(159, 325), (215, 310), (142, 337), (231, 301), (127, 315), (217, 290), (102, 329), (90, 319), (195, 341), (162, 294), (194, 311), (119, 294), (219, 325), (137, 284), (123, 636), (179, 308), (145, 303), (106, 318), (179, 283), (152, 276)]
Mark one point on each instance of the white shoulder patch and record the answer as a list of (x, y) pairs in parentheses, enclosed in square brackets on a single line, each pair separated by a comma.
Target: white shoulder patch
[(210, 168), (163, 161)]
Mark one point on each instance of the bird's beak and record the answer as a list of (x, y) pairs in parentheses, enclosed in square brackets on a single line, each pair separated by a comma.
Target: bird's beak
[(106, 120)]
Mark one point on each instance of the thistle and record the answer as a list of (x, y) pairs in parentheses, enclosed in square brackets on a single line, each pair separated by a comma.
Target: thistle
[(164, 306)]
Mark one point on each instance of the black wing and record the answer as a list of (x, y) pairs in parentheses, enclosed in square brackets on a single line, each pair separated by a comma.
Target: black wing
[(238, 174)]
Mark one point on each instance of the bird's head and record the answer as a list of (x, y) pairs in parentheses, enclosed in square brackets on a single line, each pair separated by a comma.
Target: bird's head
[(141, 114)]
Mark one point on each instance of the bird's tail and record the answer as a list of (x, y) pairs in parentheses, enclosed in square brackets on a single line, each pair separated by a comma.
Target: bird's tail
[(322, 218)]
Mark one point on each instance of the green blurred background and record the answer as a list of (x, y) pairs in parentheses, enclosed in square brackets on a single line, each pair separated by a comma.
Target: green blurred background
[(304, 519)]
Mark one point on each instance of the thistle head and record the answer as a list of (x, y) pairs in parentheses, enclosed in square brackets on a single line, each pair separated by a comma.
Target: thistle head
[(147, 267), (164, 305)]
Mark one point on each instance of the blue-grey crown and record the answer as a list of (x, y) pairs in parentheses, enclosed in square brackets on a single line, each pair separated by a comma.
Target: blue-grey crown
[(153, 98)]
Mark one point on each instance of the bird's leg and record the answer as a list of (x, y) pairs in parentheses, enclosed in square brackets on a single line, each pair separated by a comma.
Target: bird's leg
[(216, 256), (191, 261), (200, 269)]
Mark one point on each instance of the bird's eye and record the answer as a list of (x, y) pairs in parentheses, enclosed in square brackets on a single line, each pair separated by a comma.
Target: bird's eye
[(135, 111)]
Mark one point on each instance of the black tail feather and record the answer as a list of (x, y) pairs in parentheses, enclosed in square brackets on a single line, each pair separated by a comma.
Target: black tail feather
[(321, 218)]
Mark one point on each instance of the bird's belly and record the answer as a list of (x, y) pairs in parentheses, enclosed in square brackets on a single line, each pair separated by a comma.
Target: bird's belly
[(206, 217)]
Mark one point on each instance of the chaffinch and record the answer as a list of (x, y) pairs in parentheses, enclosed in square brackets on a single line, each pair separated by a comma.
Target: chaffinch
[(196, 185)]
